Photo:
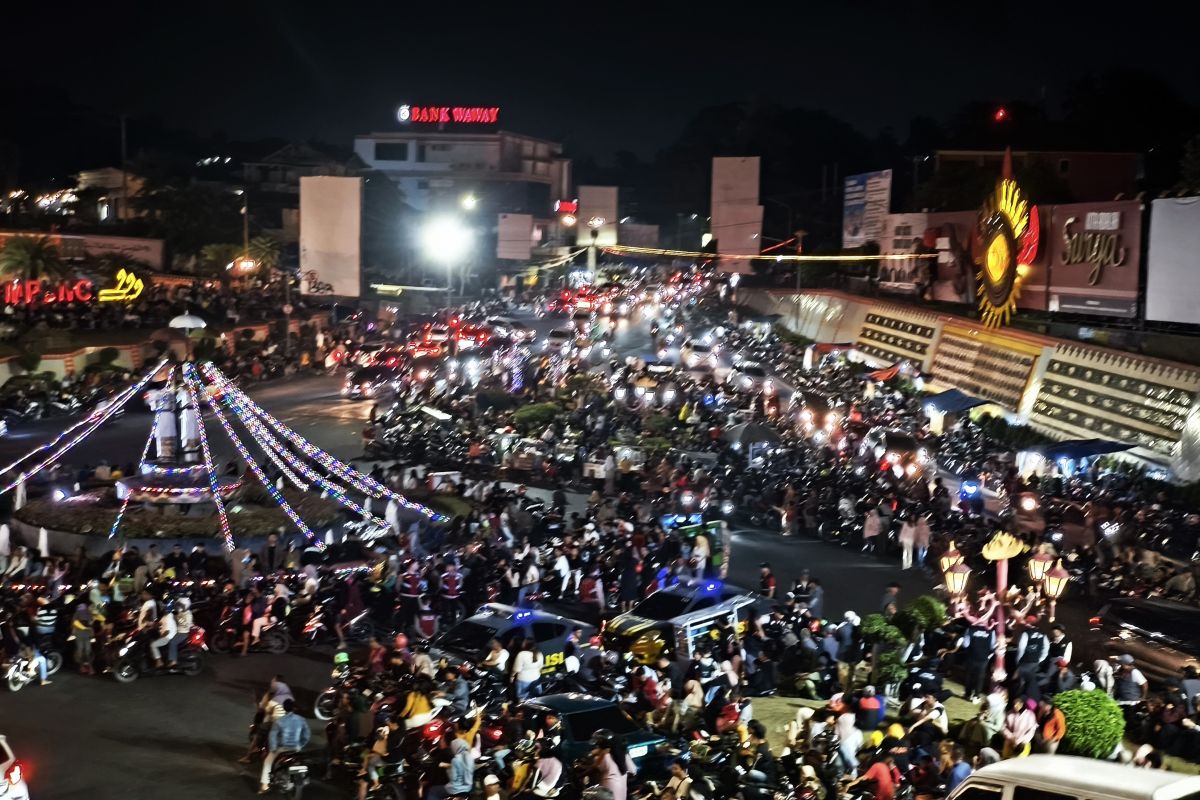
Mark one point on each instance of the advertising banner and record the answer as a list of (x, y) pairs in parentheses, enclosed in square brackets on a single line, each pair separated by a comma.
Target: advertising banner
[(736, 212), (514, 240), (865, 204), (1172, 271), (1093, 256), (331, 236)]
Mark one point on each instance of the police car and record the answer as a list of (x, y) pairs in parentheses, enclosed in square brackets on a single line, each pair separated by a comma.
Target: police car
[(468, 640), (676, 620)]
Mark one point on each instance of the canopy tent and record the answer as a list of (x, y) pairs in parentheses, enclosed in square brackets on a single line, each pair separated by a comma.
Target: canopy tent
[(1075, 449), (953, 401)]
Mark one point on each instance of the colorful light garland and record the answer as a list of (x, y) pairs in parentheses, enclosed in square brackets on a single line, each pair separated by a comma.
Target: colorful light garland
[(125, 503), (190, 382), (276, 495), (363, 483), (264, 437), (92, 423)]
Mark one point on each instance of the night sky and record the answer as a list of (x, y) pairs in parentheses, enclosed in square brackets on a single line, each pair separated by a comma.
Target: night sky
[(601, 77)]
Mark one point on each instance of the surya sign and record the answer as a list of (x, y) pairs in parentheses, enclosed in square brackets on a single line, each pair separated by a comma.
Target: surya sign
[(1009, 231)]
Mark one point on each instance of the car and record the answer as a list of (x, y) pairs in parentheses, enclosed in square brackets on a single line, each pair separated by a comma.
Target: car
[(468, 337), (468, 640), (581, 715), (893, 449), (1162, 636), (364, 355), (674, 621), (751, 377), (697, 353), (1055, 777), (12, 774), (369, 383)]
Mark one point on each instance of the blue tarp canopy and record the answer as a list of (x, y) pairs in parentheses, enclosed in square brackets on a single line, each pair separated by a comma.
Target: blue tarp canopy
[(954, 401), (1076, 449)]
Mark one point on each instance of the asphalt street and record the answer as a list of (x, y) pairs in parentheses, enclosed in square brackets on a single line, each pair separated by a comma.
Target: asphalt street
[(91, 738)]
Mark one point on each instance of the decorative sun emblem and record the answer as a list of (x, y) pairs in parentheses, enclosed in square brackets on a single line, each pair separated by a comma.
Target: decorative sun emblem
[(1008, 231), (404, 113)]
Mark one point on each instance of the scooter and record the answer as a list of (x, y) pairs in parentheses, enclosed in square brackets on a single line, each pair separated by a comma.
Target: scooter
[(227, 638), (19, 672), (131, 657)]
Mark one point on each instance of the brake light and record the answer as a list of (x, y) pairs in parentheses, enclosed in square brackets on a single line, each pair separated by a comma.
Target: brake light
[(14, 776), (1094, 621), (196, 639)]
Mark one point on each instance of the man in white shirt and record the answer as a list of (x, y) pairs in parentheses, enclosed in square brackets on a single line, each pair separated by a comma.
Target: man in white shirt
[(167, 630)]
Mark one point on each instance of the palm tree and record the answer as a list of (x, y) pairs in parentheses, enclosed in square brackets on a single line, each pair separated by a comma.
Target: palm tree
[(32, 257), (217, 256), (265, 252)]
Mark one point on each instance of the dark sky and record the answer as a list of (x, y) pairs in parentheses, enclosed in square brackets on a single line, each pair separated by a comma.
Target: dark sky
[(600, 76)]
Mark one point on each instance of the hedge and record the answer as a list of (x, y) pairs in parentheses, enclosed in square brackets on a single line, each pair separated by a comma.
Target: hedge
[(1095, 723)]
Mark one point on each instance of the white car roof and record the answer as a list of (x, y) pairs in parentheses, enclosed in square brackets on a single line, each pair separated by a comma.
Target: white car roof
[(1087, 777)]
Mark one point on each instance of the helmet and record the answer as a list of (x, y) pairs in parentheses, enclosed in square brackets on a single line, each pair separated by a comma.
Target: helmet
[(341, 657), (525, 748), (604, 738)]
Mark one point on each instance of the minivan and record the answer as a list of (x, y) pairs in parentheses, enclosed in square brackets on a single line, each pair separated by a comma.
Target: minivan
[(1072, 778)]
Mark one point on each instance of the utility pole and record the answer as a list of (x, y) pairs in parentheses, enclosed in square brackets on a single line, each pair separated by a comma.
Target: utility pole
[(124, 173), (799, 250)]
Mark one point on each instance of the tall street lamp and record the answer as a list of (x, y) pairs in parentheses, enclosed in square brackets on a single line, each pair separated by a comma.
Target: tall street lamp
[(447, 241)]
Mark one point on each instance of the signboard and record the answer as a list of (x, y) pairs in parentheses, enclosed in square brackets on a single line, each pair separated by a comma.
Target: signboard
[(514, 238), (1172, 277), (1094, 258), (448, 115), (947, 278), (865, 204), (1009, 235), (126, 288), (735, 208), (330, 236)]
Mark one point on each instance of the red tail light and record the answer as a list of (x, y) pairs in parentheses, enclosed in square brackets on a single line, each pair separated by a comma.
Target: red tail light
[(1094, 621), (14, 774), (196, 639), (595, 641), (494, 734)]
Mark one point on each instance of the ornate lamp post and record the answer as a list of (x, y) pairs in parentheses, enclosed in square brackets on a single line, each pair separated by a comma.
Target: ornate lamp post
[(950, 558), (956, 579), (999, 550), (1055, 584)]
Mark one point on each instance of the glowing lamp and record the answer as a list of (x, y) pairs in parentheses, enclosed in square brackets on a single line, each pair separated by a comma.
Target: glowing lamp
[(1039, 565), (1029, 503), (956, 579), (1055, 581), (950, 559)]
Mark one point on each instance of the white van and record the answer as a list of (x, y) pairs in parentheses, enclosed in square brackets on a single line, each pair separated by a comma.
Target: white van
[(1073, 778)]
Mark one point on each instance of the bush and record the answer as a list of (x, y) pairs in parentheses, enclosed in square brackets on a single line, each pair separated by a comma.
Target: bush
[(924, 613), (1095, 723), (494, 398), (535, 417), (657, 425)]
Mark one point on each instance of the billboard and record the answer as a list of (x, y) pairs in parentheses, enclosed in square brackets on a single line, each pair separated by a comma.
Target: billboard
[(865, 204), (736, 212), (514, 240), (1172, 270), (331, 236), (1094, 258), (597, 212)]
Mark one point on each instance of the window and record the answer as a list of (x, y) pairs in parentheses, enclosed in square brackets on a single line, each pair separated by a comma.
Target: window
[(391, 151), (978, 792), (420, 152), (1030, 793), (1064, 166), (545, 631)]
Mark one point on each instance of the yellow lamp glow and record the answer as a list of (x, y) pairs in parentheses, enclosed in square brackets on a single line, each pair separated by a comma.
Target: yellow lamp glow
[(1038, 565), (950, 559), (1056, 581)]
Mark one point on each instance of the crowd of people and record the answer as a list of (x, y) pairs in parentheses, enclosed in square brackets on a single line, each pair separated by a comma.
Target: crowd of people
[(590, 544)]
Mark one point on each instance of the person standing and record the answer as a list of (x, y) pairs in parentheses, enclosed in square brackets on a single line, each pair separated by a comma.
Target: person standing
[(81, 626), (921, 539), (1020, 726), (527, 668), (872, 527), (766, 581), (1033, 646), (1052, 725), (908, 539), (979, 644), (289, 734)]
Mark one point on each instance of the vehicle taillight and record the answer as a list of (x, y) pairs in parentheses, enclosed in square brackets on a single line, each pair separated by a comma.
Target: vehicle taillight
[(595, 641), (13, 776), (1094, 621), (196, 639)]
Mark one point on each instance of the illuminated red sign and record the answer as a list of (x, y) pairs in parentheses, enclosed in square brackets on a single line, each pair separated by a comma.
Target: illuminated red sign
[(447, 115), (566, 206), (34, 292)]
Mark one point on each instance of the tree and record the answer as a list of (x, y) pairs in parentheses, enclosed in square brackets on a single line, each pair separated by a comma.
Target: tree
[(265, 252), (32, 257), (189, 216), (1095, 723), (215, 257)]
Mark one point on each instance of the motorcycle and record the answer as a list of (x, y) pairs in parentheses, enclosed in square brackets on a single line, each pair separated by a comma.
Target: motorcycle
[(20, 671), (131, 657), (272, 639), (320, 625), (289, 775)]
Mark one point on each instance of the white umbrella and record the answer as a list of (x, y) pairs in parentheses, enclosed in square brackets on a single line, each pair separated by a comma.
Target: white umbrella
[(329, 536), (5, 541), (43, 543)]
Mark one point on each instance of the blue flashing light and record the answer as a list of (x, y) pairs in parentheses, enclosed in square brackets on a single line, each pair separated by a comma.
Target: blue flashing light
[(712, 587), (522, 615), (970, 487)]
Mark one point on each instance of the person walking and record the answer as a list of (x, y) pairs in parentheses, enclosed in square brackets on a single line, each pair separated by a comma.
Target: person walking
[(921, 539), (872, 527), (81, 627), (289, 734), (908, 540), (527, 668)]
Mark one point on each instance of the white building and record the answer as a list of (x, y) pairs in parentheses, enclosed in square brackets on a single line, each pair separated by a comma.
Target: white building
[(504, 172)]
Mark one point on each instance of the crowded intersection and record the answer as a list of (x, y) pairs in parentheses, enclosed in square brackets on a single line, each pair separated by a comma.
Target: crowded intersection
[(624, 537)]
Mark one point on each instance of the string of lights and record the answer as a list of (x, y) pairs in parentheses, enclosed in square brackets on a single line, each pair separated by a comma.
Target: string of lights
[(363, 483), (125, 503), (90, 425), (275, 494), (189, 380), (265, 442), (265, 437), (618, 249)]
